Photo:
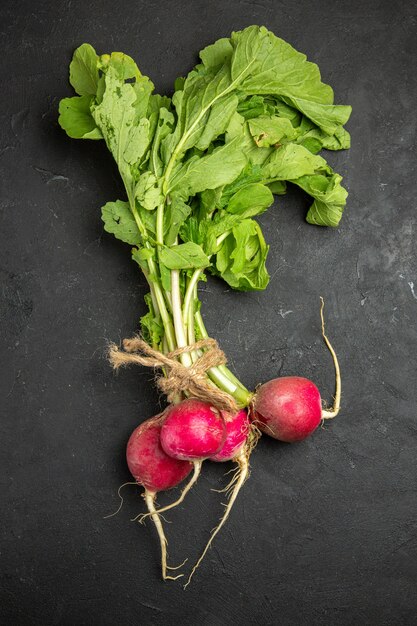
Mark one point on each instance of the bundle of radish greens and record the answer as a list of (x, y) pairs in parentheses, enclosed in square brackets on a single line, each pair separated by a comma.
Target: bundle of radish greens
[(198, 168)]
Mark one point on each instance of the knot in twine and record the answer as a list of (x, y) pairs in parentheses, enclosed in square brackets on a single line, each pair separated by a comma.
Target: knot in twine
[(178, 378)]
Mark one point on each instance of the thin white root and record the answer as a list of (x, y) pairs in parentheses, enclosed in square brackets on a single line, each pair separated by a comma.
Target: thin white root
[(241, 476), (229, 486), (188, 486), (150, 497), (121, 499), (334, 410)]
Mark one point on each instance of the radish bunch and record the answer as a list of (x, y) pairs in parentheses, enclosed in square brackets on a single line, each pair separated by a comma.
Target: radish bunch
[(245, 124), (162, 451)]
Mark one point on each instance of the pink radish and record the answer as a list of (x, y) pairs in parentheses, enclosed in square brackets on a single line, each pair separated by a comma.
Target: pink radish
[(148, 463), (290, 408), (193, 430), (156, 471), (237, 430)]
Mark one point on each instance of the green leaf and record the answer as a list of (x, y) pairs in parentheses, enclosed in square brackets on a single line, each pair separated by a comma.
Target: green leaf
[(119, 115), (315, 139), (163, 130), (241, 258), (143, 254), (76, 119), (272, 66), (119, 220), (252, 107), (200, 232), (217, 121), (249, 201), (217, 53), (209, 201), (175, 215), (327, 116), (251, 173), (122, 64), (219, 168), (152, 328), (330, 198), (84, 70), (165, 274), (255, 155), (292, 161), (147, 191), (284, 110), (339, 141), (254, 198), (148, 218), (193, 104), (184, 256), (270, 130), (115, 115), (137, 142), (278, 187), (143, 87)]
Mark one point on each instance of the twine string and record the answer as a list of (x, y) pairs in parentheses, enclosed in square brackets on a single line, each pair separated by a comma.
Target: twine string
[(178, 378)]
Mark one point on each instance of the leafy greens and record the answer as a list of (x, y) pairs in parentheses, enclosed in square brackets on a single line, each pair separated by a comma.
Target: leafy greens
[(198, 167)]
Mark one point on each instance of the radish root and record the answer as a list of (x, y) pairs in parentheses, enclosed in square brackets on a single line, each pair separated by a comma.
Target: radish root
[(334, 410), (121, 499), (188, 486), (240, 476), (150, 497)]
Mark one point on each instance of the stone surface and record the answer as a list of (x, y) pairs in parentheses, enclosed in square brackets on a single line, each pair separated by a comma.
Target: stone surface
[(324, 533)]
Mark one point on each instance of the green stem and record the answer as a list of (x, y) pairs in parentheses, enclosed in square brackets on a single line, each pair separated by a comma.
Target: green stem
[(222, 376), (160, 224), (191, 291), (158, 293), (190, 294), (178, 319)]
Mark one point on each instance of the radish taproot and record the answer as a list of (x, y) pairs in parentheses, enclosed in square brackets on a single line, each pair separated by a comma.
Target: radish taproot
[(290, 408), (152, 468), (241, 438)]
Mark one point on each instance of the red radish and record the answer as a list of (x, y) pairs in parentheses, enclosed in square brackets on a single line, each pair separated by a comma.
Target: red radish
[(237, 430), (290, 408), (148, 463), (192, 430), (156, 471)]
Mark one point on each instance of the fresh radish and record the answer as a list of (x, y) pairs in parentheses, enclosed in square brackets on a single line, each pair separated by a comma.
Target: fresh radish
[(156, 471), (147, 461), (192, 431), (237, 430), (290, 408)]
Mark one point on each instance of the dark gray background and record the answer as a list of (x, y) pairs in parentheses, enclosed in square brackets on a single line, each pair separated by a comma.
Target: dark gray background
[(324, 532)]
